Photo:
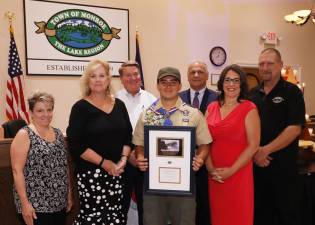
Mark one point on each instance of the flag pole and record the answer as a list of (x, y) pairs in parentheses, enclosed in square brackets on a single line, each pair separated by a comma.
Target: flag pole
[(10, 16), (15, 102)]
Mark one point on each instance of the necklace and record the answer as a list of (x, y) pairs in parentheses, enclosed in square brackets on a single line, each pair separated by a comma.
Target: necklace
[(43, 133), (230, 103)]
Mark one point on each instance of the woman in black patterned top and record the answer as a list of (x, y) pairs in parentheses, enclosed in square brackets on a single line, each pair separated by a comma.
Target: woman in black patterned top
[(99, 135), (39, 164)]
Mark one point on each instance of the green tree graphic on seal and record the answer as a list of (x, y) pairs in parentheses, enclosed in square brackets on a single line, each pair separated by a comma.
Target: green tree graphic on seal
[(77, 32)]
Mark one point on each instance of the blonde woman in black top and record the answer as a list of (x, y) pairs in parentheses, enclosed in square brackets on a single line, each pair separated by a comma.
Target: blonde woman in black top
[(99, 135)]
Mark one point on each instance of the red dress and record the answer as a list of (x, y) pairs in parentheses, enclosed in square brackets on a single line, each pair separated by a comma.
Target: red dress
[(231, 202)]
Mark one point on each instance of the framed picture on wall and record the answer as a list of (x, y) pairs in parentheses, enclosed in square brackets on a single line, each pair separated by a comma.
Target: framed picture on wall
[(215, 78), (61, 38)]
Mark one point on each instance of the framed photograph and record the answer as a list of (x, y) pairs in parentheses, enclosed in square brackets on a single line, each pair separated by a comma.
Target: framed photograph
[(214, 78), (170, 151), (170, 147), (61, 38)]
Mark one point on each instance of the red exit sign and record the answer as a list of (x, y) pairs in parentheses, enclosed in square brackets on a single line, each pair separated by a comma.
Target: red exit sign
[(271, 38)]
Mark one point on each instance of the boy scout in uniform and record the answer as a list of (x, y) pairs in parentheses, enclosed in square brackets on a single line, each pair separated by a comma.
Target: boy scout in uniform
[(170, 110)]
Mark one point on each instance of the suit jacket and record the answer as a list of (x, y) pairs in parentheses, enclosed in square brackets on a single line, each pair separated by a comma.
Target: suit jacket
[(208, 97)]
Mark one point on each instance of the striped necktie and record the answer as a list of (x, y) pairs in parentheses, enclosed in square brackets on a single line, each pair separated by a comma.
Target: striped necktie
[(195, 102)]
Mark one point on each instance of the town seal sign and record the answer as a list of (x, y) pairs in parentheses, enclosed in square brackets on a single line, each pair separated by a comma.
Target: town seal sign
[(77, 32)]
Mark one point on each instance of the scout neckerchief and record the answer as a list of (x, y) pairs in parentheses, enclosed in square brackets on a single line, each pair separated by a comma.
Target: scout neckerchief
[(161, 116), (166, 114)]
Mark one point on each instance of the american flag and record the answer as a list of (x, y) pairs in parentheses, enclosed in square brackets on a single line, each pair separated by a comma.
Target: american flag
[(15, 101), (138, 59)]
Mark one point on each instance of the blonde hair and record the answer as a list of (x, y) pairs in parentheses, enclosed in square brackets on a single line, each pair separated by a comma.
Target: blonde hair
[(39, 96), (85, 78)]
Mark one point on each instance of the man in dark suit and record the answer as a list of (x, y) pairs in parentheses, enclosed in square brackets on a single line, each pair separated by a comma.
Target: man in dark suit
[(199, 96), (197, 77)]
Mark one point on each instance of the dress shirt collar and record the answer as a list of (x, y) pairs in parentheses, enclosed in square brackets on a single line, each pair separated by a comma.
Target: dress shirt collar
[(179, 104), (130, 95), (200, 96), (201, 91)]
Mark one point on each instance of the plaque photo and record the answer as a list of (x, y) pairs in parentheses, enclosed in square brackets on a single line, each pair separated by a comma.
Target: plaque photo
[(170, 151)]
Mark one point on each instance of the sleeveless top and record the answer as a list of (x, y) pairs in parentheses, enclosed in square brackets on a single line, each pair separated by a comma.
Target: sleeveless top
[(45, 172)]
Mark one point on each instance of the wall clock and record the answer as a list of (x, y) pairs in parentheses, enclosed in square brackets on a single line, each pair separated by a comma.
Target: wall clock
[(217, 56)]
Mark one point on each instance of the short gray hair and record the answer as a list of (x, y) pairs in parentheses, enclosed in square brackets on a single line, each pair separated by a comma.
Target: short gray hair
[(128, 64), (201, 63), (39, 96), (275, 51)]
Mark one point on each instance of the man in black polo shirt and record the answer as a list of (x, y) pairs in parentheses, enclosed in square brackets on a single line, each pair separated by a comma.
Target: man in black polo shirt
[(282, 113)]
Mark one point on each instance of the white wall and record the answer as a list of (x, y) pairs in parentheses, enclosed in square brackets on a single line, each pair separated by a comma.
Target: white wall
[(248, 21), (174, 32)]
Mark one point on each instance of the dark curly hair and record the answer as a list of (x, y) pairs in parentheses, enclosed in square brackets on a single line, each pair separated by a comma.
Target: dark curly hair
[(243, 83)]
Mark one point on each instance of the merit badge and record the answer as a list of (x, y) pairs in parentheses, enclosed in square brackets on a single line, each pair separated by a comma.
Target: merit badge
[(185, 119), (185, 112)]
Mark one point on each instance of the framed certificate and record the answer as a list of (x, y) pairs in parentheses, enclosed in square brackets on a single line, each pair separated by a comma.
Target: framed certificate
[(170, 151)]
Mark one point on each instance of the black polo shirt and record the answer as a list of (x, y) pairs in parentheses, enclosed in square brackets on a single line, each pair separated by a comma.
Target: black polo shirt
[(282, 107)]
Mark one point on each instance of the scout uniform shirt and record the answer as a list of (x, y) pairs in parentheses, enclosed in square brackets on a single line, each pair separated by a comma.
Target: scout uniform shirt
[(180, 115)]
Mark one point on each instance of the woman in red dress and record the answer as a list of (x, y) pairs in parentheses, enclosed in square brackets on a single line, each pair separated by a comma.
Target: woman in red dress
[(234, 125)]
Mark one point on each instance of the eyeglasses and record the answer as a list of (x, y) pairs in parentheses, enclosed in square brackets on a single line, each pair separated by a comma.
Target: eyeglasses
[(231, 80), (171, 83)]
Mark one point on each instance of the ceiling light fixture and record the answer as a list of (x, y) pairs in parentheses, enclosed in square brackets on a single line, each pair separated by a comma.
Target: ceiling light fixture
[(300, 17)]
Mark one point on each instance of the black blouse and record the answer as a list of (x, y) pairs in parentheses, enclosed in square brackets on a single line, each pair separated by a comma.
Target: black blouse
[(105, 133)]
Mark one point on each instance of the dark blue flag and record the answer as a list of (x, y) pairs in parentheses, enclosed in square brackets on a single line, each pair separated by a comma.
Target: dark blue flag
[(138, 59)]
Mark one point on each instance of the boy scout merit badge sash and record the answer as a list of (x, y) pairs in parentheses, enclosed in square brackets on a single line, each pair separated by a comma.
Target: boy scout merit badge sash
[(162, 116)]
